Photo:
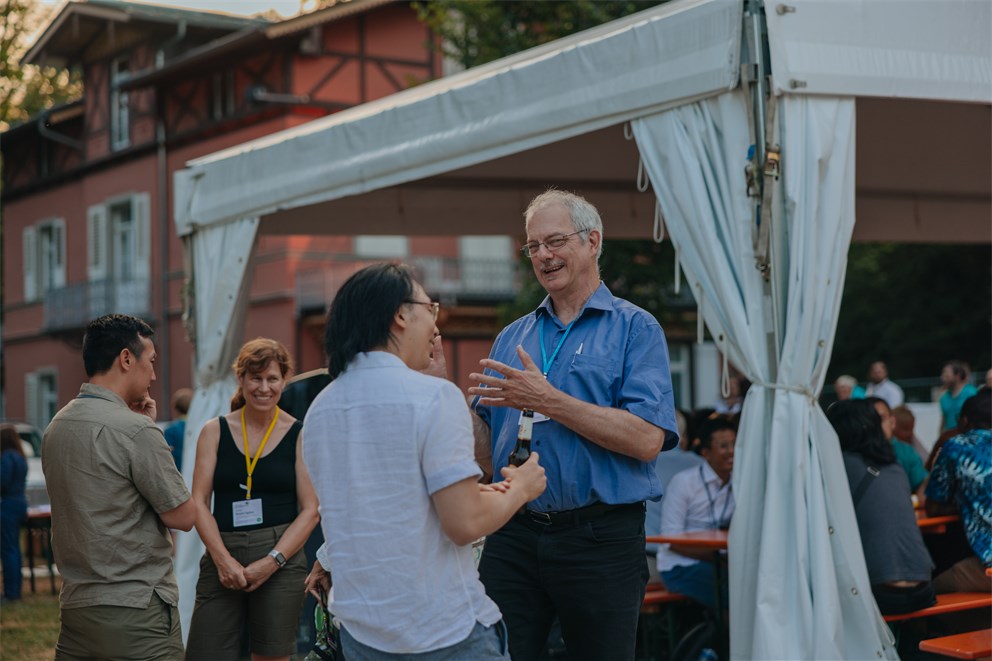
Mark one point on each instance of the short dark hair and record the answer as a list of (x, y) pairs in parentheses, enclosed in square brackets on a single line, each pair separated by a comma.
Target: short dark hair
[(107, 336), (710, 427), (360, 317), (959, 368), (859, 428), (977, 410)]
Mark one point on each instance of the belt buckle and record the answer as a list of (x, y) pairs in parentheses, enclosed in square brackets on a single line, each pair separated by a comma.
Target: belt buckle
[(540, 517)]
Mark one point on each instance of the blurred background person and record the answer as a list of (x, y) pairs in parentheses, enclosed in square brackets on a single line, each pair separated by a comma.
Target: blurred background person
[(846, 387), (674, 461), (898, 562), (906, 456), (13, 509), (955, 377), (176, 431), (700, 498), (905, 431), (880, 386), (264, 509), (961, 483)]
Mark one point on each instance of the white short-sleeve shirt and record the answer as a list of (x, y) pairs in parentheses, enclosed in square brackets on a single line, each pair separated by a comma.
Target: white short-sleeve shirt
[(378, 442), (695, 500)]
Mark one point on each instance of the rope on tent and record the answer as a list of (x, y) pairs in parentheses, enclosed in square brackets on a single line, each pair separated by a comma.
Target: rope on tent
[(659, 223), (642, 180), (721, 342), (700, 326), (628, 132)]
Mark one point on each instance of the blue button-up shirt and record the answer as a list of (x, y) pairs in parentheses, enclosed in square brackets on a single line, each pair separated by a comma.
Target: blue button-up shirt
[(614, 355)]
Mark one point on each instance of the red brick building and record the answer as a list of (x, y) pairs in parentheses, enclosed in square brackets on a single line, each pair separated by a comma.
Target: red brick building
[(87, 187)]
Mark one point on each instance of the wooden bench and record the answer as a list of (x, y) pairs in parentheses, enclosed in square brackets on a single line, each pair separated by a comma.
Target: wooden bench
[(656, 595), (948, 603), (971, 645)]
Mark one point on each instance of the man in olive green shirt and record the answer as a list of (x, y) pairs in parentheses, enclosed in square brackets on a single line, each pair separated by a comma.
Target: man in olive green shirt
[(115, 490)]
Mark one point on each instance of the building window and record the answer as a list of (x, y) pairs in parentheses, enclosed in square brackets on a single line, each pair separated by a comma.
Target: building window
[(120, 120), (681, 369), (41, 396), (118, 255), (44, 258), (222, 95), (487, 265), (382, 247)]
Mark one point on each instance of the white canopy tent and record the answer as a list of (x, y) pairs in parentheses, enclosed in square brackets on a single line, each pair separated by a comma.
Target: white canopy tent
[(464, 155)]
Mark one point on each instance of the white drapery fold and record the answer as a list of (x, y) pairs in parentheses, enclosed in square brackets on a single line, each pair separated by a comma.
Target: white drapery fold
[(799, 587), (221, 257)]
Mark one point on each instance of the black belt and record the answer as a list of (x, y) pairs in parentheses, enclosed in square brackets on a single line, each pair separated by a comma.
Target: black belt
[(576, 516)]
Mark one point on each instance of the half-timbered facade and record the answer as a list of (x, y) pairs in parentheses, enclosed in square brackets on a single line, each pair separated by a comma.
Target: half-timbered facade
[(87, 186)]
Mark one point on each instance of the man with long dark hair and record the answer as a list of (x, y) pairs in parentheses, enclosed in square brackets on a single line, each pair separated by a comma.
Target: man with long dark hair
[(390, 451), (115, 490)]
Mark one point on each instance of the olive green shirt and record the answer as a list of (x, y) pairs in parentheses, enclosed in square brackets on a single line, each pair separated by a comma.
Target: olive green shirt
[(109, 472)]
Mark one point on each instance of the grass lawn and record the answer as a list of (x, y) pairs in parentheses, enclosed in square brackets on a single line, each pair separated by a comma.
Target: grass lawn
[(29, 628)]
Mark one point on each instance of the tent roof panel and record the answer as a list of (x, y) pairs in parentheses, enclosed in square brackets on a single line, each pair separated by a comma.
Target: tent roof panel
[(655, 59)]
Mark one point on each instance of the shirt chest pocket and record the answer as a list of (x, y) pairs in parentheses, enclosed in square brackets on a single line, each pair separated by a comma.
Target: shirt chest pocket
[(592, 379)]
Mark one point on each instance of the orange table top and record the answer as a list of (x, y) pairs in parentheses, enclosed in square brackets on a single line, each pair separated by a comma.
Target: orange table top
[(971, 645), (704, 539), (936, 523)]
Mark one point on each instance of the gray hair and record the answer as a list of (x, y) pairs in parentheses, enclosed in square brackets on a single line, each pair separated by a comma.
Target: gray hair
[(584, 215), (846, 380)]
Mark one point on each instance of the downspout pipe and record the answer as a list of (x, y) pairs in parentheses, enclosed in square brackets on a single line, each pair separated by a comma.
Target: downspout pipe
[(162, 162)]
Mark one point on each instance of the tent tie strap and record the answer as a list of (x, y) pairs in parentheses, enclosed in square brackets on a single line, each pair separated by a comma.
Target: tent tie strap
[(802, 390)]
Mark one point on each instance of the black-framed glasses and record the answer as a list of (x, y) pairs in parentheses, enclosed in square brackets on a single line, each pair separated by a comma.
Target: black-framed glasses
[(552, 244), (434, 306)]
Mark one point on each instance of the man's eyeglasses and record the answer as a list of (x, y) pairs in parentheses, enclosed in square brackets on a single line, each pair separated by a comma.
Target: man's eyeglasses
[(434, 306), (552, 244)]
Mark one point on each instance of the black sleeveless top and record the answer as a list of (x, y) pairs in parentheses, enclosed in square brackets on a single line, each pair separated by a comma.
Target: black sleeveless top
[(274, 480)]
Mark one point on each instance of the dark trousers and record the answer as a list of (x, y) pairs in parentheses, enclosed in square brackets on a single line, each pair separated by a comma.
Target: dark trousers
[(13, 512), (590, 574)]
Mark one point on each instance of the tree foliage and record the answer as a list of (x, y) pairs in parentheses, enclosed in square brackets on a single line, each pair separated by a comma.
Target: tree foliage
[(26, 90), (915, 307), (474, 32)]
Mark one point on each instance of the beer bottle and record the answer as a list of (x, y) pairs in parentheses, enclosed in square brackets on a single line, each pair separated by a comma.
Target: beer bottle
[(521, 452)]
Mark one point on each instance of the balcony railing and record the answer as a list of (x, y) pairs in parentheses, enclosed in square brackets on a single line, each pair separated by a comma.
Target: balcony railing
[(73, 306), (450, 279)]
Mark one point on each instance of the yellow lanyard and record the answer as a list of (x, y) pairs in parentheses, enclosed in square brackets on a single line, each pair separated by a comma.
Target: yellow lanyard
[(250, 463)]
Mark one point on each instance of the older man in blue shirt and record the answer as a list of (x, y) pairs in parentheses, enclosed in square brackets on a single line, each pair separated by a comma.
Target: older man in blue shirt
[(602, 397)]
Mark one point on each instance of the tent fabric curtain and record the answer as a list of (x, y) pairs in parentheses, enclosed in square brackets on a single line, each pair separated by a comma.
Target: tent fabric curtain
[(221, 259), (799, 587)]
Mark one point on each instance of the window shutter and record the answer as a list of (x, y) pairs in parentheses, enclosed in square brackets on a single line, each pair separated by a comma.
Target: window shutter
[(30, 264), (142, 236), (58, 268), (97, 258), (31, 398)]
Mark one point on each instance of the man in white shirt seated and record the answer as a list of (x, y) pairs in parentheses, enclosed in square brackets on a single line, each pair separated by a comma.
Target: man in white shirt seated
[(699, 498), (880, 386)]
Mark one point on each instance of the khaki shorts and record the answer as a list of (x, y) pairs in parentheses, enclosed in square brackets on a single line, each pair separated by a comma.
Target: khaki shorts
[(119, 632), (269, 616)]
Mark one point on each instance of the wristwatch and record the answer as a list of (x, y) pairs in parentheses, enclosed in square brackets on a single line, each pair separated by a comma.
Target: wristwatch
[(278, 557)]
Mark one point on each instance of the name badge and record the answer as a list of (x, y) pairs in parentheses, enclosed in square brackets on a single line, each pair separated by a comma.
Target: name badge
[(538, 417), (247, 512)]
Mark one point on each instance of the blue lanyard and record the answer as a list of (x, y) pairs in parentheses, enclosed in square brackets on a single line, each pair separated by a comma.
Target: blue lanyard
[(544, 353), (726, 502)]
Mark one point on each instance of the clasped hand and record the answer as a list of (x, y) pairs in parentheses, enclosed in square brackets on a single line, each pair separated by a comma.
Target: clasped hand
[(521, 389), (234, 576)]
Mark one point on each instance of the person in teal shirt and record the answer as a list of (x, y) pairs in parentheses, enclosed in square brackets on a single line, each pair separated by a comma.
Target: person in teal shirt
[(956, 379), (905, 454)]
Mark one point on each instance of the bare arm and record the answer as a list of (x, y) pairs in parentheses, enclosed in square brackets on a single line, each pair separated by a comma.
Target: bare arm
[(229, 570), (180, 518), (483, 447), (469, 510), (614, 429), (299, 530)]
